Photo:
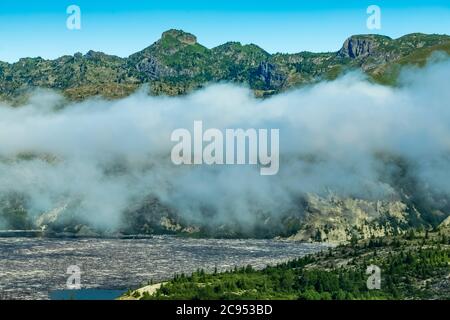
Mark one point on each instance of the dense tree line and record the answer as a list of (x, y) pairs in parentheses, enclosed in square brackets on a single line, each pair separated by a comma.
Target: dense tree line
[(305, 278)]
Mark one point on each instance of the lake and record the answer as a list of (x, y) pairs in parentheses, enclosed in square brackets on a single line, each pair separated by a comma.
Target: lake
[(36, 268)]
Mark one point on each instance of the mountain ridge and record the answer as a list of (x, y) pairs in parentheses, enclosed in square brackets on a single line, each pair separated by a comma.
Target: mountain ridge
[(177, 63)]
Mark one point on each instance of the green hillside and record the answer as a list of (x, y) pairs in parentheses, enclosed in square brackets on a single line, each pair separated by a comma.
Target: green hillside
[(414, 266)]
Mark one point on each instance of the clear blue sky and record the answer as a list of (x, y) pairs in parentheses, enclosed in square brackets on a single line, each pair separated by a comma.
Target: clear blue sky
[(38, 28)]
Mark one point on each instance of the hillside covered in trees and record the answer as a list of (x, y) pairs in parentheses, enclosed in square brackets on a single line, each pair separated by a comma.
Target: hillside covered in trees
[(415, 266)]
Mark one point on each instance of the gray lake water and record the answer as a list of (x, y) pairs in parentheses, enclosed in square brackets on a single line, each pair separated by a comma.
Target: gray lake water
[(31, 268)]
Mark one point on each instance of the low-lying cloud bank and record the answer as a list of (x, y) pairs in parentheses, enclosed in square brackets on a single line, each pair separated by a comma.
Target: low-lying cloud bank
[(348, 136)]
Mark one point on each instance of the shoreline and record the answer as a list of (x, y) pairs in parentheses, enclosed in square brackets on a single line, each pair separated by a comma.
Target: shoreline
[(37, 234), (140, 292)]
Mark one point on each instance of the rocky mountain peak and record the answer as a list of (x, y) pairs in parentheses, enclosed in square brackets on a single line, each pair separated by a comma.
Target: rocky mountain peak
[(180, 35)]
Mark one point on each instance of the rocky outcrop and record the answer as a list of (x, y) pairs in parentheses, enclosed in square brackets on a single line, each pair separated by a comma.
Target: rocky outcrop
[(51, 217), (151, 68), (334, 219), (180, 35), (269, 75), (445, 226), (362, 46)]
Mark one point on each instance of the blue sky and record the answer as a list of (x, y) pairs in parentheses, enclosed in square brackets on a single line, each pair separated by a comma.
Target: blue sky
[(38, 28)]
